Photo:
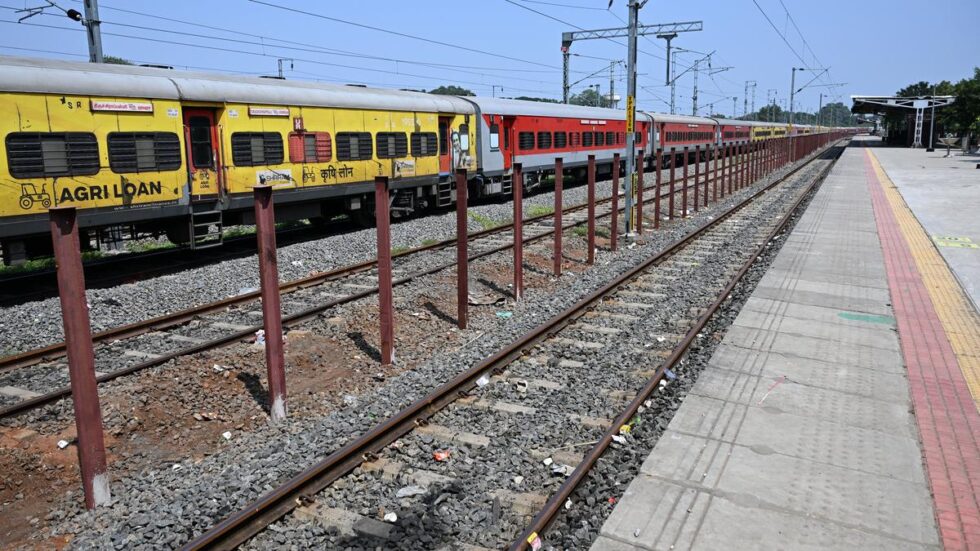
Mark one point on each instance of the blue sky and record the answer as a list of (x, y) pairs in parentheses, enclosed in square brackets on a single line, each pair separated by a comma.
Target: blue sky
[(874, 46)]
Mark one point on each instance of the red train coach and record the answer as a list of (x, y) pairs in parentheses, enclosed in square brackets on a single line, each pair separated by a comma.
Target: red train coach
[(534, 133)]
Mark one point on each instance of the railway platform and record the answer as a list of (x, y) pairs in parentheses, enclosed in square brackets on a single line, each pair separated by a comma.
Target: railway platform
[(837, 412)]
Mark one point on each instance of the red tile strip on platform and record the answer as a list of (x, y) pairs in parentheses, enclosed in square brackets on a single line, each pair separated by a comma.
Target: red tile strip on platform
[(949, 431)]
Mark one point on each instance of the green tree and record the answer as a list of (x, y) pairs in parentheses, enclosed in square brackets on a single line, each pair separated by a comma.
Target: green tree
[(113, 60), (543, 100), (771, 113), (586, 97), (963, 116), (451, 90)]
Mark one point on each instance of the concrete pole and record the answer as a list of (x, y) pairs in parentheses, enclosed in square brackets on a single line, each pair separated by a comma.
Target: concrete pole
[(634, 7), (92, 24)]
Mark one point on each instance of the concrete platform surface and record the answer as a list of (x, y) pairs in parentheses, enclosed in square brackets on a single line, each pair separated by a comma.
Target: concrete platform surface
[(944, 195), (800, 433)]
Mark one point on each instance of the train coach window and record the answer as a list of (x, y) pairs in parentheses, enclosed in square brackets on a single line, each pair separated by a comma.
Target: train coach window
[(51, 154), (143, 151), (310, 147), (353, 146), (494, 136), (525, 140), (610, 138), (574, 139), (561, 140), (544, 140), (586, 139), (391, 145), (464, 137), (424, 144), (639, 137), (256, 148), (599, 138)]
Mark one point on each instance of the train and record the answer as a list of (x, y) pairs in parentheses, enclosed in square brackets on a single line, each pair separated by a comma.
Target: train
[(162, 151)]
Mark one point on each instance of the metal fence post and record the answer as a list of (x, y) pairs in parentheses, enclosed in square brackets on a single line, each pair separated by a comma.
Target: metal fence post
[(697, 175), (558, 222), (81, 356), (265, 234), (639, 192), (462, 250), (385, 295), (614, 218), (591, 223), (517, 185), (659, 160), (684, 185), (714, 172), (670, 191)]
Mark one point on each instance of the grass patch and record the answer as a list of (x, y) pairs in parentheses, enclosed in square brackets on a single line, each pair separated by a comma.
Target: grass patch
[(540, 210), (583, 231), (427, 242), (399, 250), (44, 263), (239, 231), (149, 247), (485, 221)]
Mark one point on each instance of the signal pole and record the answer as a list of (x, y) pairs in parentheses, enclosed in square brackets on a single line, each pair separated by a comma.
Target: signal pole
[(634, 7)]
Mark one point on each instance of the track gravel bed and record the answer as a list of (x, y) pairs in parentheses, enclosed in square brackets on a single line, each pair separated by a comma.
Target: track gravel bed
[(509, 441)]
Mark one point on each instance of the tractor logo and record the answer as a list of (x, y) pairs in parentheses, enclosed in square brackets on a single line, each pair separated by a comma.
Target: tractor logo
[(29, 195)]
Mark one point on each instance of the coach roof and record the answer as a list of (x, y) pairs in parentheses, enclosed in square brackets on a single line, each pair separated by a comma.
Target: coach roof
[(497, 106), (28, 75)]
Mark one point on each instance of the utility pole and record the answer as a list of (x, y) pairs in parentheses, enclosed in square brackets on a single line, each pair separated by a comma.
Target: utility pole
[(92, 24), (771, 100), (673, 88), (745, 100), (932, 122), (749, 84), (493, 89), (792, 93), (90, 21), (612, 83), (633, 30), (631, 181), (734, 107), (694, 95), (598, 95), (820, 109)]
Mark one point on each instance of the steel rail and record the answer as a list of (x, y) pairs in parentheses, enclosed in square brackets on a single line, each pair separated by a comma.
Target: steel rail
[(241, 526), (555, 503), (187, 315)]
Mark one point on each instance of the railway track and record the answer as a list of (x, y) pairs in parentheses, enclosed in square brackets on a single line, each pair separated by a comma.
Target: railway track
[(491, 457), (39, 377), (137, 266)]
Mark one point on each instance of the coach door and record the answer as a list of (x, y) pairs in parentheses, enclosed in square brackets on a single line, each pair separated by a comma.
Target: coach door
[(508, 139), (203, 161), (445, 147)]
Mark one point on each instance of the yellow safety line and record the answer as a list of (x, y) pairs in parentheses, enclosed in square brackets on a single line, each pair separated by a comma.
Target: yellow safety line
[(955, 310)]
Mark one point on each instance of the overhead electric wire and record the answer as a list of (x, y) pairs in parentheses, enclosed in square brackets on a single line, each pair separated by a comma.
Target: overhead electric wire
[(267, 55), (324, 49), (398, 33)]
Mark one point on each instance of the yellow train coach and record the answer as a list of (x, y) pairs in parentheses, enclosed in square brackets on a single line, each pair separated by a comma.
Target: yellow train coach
[(163, 150)]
